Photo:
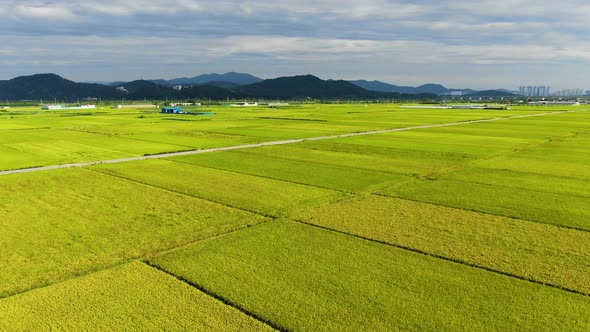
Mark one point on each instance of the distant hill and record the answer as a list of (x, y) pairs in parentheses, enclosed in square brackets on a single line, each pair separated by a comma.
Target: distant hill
[(222, 84), (307, 86), (116, 83), (491, 93), (208, 92), (386, 87), (506, 90), (432, 88), (382, 87), (50, 87), (207, 79), (143, 89)]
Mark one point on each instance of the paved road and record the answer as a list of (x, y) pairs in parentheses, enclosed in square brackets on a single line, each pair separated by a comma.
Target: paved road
[(257, 145)]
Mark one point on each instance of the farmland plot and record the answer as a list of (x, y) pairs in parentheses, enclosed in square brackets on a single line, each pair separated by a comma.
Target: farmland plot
[(58, 224), (305, 278), (304, 172), (538, 252), (555, 209), (545, 182), (127, 297), (380, 235), (257, 194)]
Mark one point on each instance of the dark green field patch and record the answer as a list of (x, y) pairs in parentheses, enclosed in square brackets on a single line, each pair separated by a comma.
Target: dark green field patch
[(556, 209)]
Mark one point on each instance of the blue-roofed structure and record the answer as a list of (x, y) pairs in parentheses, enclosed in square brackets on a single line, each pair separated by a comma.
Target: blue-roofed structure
[(172, 110)]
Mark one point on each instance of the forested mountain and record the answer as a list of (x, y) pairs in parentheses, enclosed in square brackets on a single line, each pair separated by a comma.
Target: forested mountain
[(53, 87)]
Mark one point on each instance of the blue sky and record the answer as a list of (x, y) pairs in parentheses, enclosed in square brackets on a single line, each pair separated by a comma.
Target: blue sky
[(479, 44)]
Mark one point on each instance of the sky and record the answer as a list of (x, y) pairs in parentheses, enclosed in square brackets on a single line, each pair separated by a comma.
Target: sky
[(481, 44)]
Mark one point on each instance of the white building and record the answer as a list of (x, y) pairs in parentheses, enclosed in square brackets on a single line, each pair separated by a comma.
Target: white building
[(244, 104), (185, 104), (64, 107), (53, 107)]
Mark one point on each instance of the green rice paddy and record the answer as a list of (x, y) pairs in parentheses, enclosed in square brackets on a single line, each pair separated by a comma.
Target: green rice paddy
[(475, 226)]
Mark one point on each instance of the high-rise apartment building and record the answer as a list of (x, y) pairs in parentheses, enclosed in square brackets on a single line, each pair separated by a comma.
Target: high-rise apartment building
[(534, 91)]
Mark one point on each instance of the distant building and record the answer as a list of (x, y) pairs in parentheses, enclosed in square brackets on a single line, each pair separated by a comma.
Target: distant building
[(561, 103), (534, 91), (136, 106), (244, 104), (52, 107), (64, 107), (172, 110), (461, 107), (185, 104), (569, 93), (177, 87)]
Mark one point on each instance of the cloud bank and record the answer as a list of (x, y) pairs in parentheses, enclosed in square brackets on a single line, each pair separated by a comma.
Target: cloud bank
[(482, 44)]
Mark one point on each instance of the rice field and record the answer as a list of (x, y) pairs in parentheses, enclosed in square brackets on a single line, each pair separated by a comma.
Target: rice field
[(473, 226), (116, 299), (357, 285)]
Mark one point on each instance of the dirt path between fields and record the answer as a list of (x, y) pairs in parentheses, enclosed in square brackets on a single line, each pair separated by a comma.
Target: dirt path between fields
[(257, 145)]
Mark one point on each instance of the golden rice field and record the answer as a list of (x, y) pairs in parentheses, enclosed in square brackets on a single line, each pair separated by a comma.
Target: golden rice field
[(481, 224)]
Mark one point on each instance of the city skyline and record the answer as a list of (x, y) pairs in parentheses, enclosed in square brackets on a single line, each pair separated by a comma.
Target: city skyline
[(459, 44), (535, 91)]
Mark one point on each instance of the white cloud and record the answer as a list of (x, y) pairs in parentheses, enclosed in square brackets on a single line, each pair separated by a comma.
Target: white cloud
[(184, 50), (128, 8), (57, 12), (371, 36)]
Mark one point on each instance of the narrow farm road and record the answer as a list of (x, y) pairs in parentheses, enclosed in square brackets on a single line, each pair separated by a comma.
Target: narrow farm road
[(257, 145)]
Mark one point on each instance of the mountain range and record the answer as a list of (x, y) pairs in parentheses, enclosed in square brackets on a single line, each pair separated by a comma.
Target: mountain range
[(426, 88), (292, 87), (230, 79), (214, 86)]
